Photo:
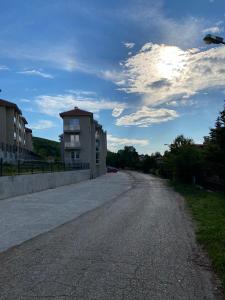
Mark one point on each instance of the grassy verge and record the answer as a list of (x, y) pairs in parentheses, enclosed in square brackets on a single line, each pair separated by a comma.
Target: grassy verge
[(208, 209)]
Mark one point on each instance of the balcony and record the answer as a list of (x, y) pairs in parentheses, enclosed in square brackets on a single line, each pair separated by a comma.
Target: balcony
[(71, 128), (72, 145)]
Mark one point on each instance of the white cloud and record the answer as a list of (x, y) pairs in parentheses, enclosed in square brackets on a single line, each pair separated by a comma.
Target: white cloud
[(25, 100), (129, 45), (3, 67), (151, 15), (61, 57), (115, 143), (147, 116), (80, 93), (213, 29), (53, 105), (182, 102), (115, 76), (42, 124), (31, 89), (161, 73), (36, 73), (117, 111)]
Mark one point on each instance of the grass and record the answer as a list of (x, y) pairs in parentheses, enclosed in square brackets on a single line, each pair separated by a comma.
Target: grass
[(208, 210)]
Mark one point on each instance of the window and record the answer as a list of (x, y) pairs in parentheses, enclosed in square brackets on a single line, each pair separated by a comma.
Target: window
[(14, 135), (97, 135), (97, 144), (97, 158), (75, 155), (74, 138), (72, 155), (72, 123)]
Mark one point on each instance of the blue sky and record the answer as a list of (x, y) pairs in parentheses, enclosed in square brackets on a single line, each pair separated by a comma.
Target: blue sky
[(140, 66)]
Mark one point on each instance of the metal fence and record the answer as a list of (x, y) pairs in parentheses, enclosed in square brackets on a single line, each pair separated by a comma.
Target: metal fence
[(14, 152), (34, 167)]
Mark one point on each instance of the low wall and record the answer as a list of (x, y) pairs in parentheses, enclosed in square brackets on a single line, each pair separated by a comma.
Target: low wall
[(11, 186)]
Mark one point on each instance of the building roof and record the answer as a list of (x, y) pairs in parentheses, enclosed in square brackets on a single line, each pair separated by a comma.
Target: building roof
[(10, 104), (28, 130), (97, 125), (76, 112), (24, 120)]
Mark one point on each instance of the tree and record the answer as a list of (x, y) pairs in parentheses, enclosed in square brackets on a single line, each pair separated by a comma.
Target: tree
[(128, 158), (214, 148), (47, 148), (184, 160), (147, 163), (112, 159)]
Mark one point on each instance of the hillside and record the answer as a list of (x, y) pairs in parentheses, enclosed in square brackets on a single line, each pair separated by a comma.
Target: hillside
[(47, 149)]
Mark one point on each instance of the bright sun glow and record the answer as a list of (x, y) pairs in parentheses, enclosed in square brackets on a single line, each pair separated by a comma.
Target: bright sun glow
[(171, 62)]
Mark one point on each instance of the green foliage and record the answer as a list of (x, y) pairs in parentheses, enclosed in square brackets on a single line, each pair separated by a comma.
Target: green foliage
[(130, 159), (214, 148), (184, 160), (112, 159), (47, 149), (151, 163), (208, 209)]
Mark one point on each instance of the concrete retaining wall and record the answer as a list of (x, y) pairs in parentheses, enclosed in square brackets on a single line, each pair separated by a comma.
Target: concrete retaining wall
[(11, 186)]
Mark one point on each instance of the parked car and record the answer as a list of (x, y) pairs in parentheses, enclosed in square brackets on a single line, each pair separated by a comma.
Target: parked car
[(112, 170)]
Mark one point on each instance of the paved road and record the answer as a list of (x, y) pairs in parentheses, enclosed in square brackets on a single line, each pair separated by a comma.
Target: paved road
[(140, 245), (24, 217)]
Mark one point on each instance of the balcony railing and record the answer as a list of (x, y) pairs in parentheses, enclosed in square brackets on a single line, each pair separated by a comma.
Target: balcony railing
[(72, 145), (71, 127)]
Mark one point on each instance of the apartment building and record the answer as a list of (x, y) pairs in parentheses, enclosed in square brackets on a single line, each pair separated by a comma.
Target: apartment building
[(83, 140), (15, 138)]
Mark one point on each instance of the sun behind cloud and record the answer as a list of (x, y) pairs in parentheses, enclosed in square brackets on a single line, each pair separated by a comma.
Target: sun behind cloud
[(171, 62)]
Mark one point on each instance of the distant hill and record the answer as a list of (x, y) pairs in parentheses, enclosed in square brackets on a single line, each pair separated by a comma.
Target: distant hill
[(47, 149)]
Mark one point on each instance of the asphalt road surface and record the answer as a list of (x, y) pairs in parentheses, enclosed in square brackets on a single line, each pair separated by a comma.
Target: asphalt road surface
[(24, 217), (138, 245)]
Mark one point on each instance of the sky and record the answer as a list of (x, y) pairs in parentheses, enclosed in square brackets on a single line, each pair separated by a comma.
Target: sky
[(140, 66)]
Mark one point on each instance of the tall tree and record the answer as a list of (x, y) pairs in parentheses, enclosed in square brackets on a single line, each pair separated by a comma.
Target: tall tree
[(184, 160), (214, 148), (128, 157)]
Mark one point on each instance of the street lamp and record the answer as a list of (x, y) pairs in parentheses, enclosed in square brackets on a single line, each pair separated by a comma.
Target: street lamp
[(213, 39)]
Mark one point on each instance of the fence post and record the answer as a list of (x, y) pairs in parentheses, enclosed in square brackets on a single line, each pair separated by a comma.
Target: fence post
[(1, 167)]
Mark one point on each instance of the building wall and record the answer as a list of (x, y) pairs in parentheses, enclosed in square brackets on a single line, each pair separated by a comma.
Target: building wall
[(29, 141), (85, 140), (10, 125), (13, 134), (2, 124), (101, 166), (88, 128)]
